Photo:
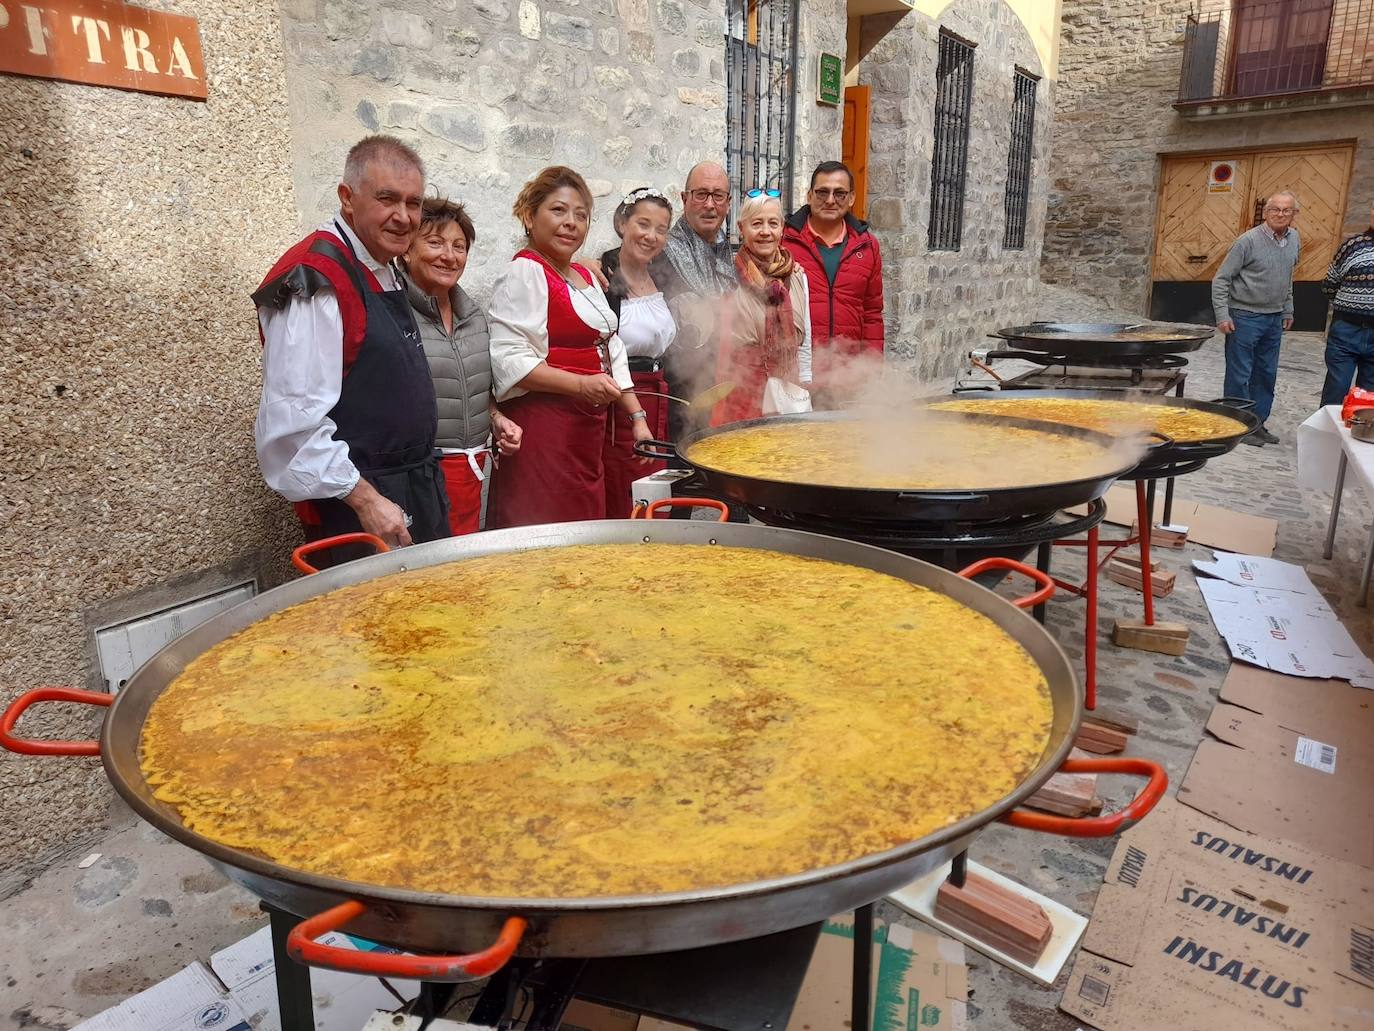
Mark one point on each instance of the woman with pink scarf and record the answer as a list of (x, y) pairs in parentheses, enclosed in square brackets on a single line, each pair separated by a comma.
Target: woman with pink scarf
[(766, 326)]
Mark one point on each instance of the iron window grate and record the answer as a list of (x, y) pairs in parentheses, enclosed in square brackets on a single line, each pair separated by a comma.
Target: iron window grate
[(949, 166), (1019, 159), (761, 96)]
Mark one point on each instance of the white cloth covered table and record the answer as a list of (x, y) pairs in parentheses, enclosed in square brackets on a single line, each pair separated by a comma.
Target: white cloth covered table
[(1327, 456)]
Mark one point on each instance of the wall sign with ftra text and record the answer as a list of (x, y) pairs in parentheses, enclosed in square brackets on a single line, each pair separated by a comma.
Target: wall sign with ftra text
[(103, 43)]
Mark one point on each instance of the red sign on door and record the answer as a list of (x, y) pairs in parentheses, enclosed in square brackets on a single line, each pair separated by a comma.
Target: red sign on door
[(103, 43)]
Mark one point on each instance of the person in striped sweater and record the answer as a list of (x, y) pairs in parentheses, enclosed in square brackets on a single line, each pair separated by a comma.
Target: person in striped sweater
[(1350, 340)]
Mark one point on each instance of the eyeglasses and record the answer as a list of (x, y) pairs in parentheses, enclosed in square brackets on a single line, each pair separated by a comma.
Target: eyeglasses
[(1279, 211), (825, 194), (702, 196), (763, 193)]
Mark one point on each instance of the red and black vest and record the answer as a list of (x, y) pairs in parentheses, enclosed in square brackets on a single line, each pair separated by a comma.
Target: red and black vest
[(386, 412)]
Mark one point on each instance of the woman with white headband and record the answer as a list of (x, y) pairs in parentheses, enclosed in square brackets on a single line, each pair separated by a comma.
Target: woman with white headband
[(646, 327)]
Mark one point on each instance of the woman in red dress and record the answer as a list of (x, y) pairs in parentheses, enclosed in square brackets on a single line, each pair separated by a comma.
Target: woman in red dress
[(557, 363), (766, 323)]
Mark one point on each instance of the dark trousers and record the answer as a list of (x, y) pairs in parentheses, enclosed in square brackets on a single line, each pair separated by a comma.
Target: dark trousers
[(1349, 354), (1252, 359)]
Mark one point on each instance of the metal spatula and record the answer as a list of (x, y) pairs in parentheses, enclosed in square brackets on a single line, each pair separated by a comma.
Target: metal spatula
[(703, 402)]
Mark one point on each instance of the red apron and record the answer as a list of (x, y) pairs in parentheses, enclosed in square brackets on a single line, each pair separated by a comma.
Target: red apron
[(618, 456), (557, 475), (463, 484)]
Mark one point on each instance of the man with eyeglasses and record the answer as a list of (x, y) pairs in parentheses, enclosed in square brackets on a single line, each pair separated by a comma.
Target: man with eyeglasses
[(844, 270), (1252, 296), (696, 269)]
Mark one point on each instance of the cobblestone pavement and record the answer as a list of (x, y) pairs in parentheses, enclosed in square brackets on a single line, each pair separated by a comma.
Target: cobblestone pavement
[(148, 906), (1172, 697)]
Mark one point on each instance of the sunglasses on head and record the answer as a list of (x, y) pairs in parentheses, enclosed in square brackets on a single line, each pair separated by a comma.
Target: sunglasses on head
[(764, 193)]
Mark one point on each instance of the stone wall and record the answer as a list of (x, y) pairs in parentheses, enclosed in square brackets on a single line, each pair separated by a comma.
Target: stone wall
[(628, 92), (133, 229), (940, 304), (1119, 77), (823, 30)]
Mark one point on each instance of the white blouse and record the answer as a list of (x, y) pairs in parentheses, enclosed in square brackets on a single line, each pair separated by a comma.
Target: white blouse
[(302, 378), (646, 326), (519, 320)]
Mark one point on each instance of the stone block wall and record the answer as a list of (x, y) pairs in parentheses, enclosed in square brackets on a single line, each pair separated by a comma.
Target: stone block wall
[(628, 92), (1114, 117), (940, 304), (133, 228)]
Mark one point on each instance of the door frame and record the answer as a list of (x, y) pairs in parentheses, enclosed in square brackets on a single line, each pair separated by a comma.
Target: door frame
[(1220, 154), (861, 143)]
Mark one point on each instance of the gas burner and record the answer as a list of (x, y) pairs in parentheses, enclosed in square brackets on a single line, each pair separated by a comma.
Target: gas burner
[(952, 544), (1148, 361)]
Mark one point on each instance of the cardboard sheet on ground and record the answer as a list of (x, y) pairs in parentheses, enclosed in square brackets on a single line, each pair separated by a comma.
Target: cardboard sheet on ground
[(1200, 926), (1272, 615), (189, 1000), (342, 1001), (1208, 525), (1293, 759)]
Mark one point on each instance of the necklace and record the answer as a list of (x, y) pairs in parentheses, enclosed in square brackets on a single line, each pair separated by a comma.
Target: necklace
[(573, 288), (642, 285)]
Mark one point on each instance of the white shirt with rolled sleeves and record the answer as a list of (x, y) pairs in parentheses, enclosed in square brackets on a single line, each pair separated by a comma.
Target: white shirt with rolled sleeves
[(519, 320), (302, 378)]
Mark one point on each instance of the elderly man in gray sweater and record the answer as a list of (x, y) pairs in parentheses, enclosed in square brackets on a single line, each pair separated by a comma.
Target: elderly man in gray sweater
[(1252, 295)]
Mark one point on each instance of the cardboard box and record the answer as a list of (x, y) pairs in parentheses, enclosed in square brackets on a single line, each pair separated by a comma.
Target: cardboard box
[(919, 981), (1198, 925), (1292, 758)]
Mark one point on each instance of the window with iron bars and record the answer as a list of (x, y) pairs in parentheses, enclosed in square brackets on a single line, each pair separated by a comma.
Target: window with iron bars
[(949, 162), (761, 96), (1019, 159)]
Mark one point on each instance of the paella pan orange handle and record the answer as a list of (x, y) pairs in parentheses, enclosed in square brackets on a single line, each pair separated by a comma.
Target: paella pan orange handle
[(325, 543), (303, 948), (651, 510), (29, 746), (1099, 826), (996, 562)]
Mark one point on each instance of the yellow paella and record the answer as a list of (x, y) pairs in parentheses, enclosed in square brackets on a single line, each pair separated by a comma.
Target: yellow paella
[(560, 723), (1120, 418), (907, 453)]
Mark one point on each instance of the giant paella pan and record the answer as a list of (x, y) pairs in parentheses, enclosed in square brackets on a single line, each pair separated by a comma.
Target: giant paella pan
[(522, 742), (911, 465)]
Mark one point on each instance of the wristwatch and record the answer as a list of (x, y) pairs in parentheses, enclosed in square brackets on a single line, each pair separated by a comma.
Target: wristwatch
[(641, 414)]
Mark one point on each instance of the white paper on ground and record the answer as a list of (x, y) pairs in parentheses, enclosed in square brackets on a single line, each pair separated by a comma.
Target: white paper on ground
[(189, 1000), (1289, 628), (1316, 754), (1258, 571), (343, 1002)]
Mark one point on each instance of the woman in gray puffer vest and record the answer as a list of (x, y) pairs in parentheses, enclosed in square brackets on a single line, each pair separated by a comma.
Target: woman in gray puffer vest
[(454, 333)]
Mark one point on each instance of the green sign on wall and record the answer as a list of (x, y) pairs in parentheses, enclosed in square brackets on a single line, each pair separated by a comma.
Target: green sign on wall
[(830, 88)]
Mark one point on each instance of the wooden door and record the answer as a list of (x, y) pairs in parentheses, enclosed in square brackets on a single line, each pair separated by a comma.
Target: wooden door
[(1319, 179), (1197, 225), (854, 146)]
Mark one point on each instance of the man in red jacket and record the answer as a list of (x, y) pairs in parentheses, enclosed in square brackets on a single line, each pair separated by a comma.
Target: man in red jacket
[(844, 270)]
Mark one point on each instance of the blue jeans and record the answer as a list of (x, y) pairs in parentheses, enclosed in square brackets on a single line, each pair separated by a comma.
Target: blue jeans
[(1349, 352), (1252, 359)]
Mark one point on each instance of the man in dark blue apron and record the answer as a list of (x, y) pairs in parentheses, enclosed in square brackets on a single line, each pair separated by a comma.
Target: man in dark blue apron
[(346, 424)]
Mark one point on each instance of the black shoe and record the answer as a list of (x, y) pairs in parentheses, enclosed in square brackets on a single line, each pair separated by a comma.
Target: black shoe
[(1266, 436), (1253, 438)]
